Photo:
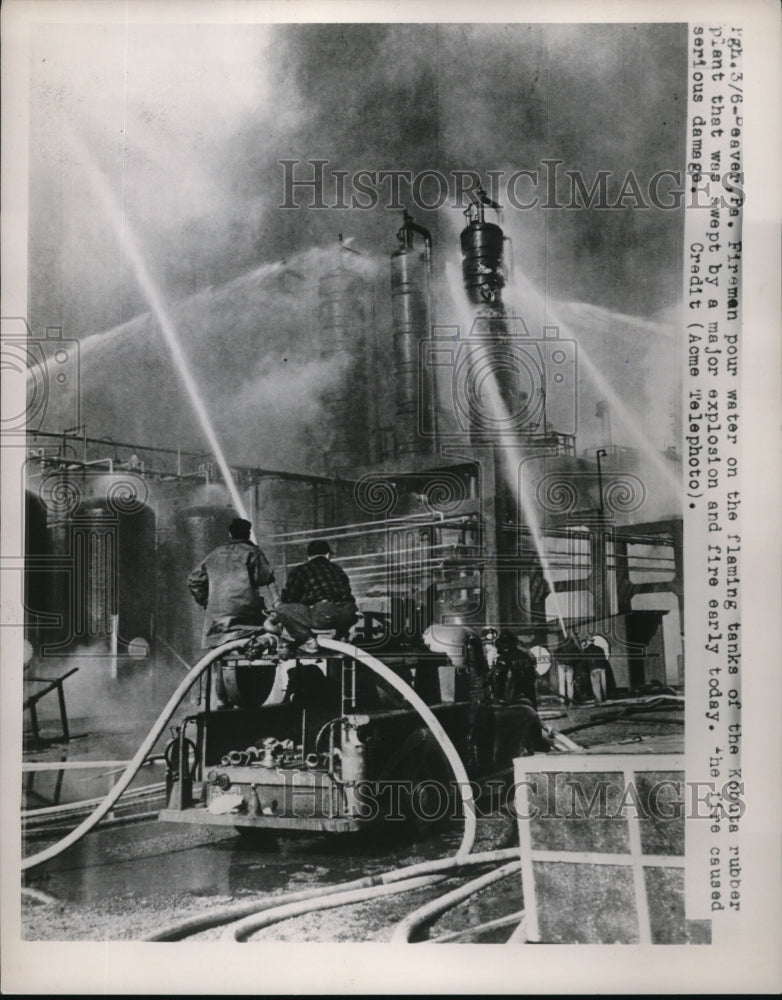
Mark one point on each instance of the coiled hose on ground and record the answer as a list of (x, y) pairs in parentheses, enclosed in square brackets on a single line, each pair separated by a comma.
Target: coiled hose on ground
[(245, 928), (261, 910), (405, 930)]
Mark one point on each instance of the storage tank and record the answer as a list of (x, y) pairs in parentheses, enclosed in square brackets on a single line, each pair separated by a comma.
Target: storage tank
[(106, 546), (38, 591)]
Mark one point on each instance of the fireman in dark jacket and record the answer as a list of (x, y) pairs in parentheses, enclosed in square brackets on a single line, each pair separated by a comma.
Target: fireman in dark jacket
[(567, 656), (513, 676), (227, 585), (479, 733), (599, 669)]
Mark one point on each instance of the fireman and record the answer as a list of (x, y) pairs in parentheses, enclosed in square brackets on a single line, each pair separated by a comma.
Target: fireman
[(513, 676), (566, 655), (316, 595), (600, 673), (227, 583), (480, 718)]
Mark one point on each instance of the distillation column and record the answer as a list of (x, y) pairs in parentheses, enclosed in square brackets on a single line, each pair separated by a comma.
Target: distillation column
[(411, 272), (491, 386), (345, 316)]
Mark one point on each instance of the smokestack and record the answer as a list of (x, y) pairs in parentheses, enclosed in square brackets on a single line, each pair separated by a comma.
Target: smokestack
[(344, 318), (410, 307)]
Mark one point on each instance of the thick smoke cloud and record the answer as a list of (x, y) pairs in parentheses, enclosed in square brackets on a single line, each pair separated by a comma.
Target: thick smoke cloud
[(189, 125), (496, 97)]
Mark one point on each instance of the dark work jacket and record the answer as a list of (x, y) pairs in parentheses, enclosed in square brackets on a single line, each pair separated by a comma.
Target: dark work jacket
[(475, 661), (479, 732), (226, 583), (514, 677), (567, 653)]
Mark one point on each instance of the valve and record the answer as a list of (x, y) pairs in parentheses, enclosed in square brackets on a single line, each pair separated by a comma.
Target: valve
[(218, 778)]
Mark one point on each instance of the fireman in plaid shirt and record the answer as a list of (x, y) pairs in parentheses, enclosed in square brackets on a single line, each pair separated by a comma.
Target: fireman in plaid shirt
[(316, 595)]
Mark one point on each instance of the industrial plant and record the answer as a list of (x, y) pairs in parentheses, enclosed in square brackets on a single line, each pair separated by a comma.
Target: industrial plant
[(449, 483), (472, 502)]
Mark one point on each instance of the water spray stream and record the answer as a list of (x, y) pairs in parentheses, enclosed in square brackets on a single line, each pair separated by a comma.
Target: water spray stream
[(512, 455), (513, 458), (525, 290), (629, 422), (134, 256)]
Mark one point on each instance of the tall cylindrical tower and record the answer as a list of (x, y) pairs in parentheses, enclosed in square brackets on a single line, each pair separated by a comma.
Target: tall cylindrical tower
[(488, 378), (410, 308), (344, 321)]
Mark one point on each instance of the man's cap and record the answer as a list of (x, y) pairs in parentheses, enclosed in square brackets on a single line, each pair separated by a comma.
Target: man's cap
[(239, 528), (319, 547)]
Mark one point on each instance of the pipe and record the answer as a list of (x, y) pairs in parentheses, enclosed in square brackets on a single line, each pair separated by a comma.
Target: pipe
[(168, 645), (114, 646), (245, 928), (143, 751), (405, 929), (236, 911), (101, 461), (291, 535), (459, 772), (377, 527), (562, 742), (511, 918), (519, 935), (70, 765), (68, 808), (39, 896), (113, 821), (386, 552)]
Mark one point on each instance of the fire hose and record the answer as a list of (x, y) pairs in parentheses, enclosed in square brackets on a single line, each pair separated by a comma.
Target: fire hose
[(137, 762), (406, 879), (450, 751), (263, 910), (407, 927), (295, 904), (401, 880), (173, 703), (243, 930)]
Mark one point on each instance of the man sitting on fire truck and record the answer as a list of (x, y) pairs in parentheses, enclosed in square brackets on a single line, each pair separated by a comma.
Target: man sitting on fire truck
[(316, 595), (227, 584)]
